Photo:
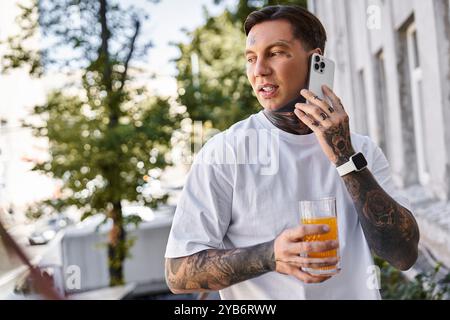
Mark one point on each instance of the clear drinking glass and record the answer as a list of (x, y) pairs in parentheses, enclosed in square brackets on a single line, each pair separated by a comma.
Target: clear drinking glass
[(321, 211)]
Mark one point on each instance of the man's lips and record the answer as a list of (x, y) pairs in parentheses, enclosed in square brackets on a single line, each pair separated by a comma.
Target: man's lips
[(268, 90)]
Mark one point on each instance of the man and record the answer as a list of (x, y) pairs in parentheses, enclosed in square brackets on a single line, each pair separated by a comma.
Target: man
[(236, 228)]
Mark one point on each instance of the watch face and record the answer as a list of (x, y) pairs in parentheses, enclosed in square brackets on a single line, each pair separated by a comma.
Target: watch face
[(359, 160)]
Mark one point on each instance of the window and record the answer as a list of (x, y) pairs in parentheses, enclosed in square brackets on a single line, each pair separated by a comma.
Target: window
[(415, 74), (361, 104), (381, 103)]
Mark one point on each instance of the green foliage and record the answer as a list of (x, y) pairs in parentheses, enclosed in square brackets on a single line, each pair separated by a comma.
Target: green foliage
[(424, 286), (68, 33), (18, 54), (87, 154)]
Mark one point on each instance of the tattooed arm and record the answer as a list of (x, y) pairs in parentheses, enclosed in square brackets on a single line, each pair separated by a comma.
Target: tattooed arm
[(217, 269), (390, 229)]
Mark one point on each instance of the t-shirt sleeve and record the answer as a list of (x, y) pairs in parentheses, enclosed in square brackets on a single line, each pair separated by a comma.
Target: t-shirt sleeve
[(380, 169), (203, 212)]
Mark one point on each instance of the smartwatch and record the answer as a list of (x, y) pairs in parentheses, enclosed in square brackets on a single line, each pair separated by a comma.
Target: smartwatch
[(357, 162)]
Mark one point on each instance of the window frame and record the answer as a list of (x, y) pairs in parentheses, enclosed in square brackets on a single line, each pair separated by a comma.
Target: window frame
[(415, 72)]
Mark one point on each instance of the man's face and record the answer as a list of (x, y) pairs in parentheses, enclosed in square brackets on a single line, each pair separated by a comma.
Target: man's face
[(277, 63)]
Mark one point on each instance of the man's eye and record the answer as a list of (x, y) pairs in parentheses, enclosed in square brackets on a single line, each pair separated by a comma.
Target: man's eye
[(276, 53), (250, 60)]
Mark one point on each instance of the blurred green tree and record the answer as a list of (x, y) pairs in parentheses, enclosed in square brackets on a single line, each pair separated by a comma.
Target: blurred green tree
[(106, 135), (212, 81)]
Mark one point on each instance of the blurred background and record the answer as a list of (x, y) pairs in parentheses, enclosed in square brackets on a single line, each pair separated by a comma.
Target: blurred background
[(104, 103)]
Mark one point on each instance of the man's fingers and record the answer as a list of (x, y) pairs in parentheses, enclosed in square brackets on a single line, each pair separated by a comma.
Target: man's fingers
[(299, 262), (299, 232), (315, 112), (307, 119), (305, 277), (315, 246), (335, 101), (302, 247), (317, 101), (308, 278)]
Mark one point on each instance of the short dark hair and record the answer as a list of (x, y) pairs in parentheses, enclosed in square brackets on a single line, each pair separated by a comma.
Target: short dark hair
[(305, 26)]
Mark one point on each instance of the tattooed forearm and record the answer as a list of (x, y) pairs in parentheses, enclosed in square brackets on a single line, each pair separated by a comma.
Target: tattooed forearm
[(217, 269), (336, 138), (390, 229)]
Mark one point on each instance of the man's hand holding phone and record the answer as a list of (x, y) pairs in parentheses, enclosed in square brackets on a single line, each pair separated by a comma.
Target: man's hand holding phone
[(330, 123)]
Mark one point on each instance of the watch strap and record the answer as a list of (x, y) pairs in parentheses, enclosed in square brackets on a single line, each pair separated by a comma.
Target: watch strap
[(346, 168)]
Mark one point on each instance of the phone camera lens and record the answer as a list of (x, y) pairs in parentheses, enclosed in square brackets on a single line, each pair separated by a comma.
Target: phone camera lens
[(316, 66), (322, 65), (317, 58)]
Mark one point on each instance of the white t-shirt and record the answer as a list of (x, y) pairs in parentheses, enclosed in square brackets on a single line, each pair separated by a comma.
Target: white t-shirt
[(244, 189)]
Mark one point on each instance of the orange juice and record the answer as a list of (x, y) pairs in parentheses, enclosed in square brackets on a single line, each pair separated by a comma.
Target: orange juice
[(331, 235)]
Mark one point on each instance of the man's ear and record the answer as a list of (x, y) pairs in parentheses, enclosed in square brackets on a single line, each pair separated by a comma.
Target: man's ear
[(318, 50)]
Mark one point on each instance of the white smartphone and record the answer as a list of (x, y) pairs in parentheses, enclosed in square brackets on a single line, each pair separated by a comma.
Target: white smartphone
[(320, 72)]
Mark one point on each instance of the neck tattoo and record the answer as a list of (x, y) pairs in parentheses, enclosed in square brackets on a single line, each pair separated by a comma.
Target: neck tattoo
[(287, 121)]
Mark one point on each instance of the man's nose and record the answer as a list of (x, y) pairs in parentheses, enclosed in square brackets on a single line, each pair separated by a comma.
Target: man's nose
[(262, 68)]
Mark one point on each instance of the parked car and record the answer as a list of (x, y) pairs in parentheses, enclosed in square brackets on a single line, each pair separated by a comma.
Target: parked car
[(47, 229)]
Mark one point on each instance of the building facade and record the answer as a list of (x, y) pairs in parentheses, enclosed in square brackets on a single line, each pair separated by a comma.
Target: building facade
[(393, 75)]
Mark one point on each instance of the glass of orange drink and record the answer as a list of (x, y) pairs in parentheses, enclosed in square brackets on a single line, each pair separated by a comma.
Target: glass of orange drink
[(321, 211)]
